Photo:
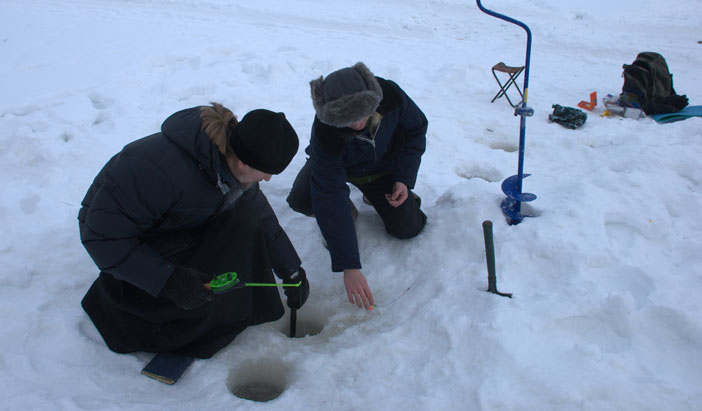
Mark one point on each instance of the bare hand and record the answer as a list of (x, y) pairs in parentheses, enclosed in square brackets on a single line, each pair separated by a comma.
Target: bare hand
[(399, 194), (357, 288)]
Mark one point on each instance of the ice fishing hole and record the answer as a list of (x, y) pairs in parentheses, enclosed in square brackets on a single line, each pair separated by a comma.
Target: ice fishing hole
[(309, 322), (259, 380)]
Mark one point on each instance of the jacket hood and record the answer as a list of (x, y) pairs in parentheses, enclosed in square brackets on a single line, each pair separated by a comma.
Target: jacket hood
[(183, 129)]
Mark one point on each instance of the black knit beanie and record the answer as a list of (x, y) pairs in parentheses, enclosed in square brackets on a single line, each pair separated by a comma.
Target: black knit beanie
[(264, 140)]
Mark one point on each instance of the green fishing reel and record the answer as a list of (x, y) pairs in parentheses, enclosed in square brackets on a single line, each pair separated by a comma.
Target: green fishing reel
[(225, 282)]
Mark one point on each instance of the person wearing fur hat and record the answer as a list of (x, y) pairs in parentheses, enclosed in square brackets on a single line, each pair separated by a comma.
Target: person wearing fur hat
[(173, 210), (368, 132)]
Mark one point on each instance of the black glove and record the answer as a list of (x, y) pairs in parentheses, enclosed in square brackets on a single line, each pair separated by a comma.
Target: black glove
[(297, 295), (185, 288)]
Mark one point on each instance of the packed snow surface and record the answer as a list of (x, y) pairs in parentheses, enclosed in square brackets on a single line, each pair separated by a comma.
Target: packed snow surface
[(607, 276)]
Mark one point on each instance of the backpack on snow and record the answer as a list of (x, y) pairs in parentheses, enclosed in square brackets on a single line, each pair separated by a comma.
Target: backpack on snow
[(649, 85)]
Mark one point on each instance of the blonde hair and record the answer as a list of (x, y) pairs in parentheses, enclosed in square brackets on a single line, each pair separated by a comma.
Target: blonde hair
[(215, 123)]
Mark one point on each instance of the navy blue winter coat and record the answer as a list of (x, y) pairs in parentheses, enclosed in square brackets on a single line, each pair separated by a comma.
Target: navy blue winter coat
[(335, 153)]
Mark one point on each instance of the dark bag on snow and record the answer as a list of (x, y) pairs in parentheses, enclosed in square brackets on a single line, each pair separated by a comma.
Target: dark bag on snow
[(648, 85), (568, 117)]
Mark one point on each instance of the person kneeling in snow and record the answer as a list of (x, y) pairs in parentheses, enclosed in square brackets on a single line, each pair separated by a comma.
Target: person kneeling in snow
[(177, 208), (368, 132)]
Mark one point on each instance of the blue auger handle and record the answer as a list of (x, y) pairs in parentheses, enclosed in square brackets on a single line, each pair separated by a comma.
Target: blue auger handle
[(528, 47), (512, 186)]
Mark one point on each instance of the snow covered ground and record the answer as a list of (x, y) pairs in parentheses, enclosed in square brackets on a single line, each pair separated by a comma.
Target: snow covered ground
[(607, 279)]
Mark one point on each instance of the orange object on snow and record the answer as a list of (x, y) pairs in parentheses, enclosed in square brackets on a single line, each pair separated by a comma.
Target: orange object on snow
[(593, 102)]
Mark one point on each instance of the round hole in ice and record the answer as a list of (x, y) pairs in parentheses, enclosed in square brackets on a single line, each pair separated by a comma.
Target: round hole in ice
[(309, 322), (258, 380)]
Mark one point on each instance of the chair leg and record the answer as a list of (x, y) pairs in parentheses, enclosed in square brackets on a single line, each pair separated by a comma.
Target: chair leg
[(500, 93)]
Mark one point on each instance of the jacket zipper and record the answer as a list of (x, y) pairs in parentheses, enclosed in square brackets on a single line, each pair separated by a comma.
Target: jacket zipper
[(371, 140)]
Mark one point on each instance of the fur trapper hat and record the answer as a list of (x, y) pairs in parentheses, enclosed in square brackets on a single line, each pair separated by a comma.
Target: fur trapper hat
[(346, 96)]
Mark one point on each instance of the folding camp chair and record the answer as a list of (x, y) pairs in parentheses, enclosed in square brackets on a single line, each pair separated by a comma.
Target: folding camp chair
[(513, 73)]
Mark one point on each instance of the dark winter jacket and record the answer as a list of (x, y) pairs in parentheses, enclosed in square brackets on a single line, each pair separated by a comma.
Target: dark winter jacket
[(151, 203), (337, 154)]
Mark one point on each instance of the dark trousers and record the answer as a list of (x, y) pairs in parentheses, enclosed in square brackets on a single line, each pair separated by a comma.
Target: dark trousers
[(405, 221)]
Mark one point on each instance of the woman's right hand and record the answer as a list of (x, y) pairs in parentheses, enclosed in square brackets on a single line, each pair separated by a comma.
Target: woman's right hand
[(357, 288)]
